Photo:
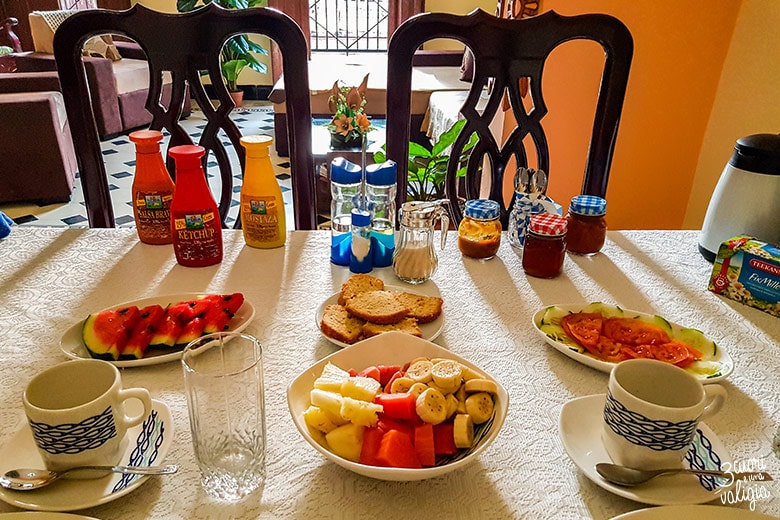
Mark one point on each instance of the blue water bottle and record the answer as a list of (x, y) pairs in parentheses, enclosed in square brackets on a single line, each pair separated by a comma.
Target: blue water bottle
[(380, 192), (345, 180)]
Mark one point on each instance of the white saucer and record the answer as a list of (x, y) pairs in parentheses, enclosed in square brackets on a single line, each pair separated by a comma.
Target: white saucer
[(580, 430), (693, 511), (147, 445), (28, 515)]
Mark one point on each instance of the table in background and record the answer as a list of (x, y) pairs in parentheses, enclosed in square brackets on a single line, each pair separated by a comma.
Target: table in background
[(51, 278)]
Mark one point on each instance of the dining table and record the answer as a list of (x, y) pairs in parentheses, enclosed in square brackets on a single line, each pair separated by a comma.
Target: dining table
[(53, 278)]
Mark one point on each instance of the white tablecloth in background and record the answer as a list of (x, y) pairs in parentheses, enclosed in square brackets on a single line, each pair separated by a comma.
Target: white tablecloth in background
[(51, 278)]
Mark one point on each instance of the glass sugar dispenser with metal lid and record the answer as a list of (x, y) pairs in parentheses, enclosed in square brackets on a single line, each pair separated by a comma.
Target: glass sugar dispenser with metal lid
[(587, 225), (545, 245), (479, 232)]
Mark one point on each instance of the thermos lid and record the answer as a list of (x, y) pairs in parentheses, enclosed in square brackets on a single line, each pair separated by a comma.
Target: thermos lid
[(758, 153), (344, 172), (381, 174)]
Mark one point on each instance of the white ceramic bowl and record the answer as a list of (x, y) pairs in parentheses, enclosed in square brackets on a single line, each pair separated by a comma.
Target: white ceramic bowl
[(390, 348)]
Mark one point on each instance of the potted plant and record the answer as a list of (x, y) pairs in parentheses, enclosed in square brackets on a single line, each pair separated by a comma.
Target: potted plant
[(239, 51), (427, 169), (350, 123)]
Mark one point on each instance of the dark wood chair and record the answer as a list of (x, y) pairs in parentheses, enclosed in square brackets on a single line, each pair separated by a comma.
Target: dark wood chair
[(506, 51), (186, 44)]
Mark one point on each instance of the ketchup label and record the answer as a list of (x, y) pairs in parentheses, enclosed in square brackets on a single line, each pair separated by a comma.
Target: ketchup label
[(197, 236)]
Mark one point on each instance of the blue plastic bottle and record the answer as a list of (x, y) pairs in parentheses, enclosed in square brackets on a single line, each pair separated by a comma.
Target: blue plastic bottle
[(360, 250), (344, 190), (380, 192)]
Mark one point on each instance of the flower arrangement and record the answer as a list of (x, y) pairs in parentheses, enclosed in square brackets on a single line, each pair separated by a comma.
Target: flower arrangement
[(349, 123)]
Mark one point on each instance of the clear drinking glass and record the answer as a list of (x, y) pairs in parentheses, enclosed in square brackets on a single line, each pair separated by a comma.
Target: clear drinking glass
[(223, 376)]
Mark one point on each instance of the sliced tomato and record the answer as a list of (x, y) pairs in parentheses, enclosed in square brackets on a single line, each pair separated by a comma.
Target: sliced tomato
[(607, 350), (671, 352), (638, 351), (583, 327), (634, 332), (397, 406)]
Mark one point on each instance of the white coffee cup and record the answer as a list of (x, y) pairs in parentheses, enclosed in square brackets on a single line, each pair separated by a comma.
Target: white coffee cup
[(76, 411), (652, 411)]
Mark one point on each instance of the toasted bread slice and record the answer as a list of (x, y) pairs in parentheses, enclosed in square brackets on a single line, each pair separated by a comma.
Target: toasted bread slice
[(359, 283), (407, 325), (337, 323), (380, 307), (424, 308)]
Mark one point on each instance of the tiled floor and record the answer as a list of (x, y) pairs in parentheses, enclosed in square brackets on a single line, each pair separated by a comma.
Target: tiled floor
[(119, 153)]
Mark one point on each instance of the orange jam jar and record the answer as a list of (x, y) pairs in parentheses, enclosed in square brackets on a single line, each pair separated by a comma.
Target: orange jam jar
[(545, 245), (479, 233), (587, 229)]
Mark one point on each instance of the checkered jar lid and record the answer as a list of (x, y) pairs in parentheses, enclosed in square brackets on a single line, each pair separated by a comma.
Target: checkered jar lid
[(547, 224), (588, 205), (482, 209)]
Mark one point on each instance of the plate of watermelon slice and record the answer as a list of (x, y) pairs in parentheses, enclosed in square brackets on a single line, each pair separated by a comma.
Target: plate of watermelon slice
[(154, 330)]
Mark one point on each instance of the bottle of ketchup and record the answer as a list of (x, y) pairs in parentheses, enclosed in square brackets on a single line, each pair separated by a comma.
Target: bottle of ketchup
[(152, 189), (195, 222)]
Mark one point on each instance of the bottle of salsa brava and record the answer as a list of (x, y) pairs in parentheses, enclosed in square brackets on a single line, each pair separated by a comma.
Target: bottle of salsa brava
[(152, 189), (262, 207), (195, 221)]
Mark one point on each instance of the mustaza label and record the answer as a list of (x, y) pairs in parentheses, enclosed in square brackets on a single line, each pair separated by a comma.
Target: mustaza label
[(260, 218)]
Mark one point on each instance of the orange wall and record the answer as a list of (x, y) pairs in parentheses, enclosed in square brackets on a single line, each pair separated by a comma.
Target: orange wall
[(679, 50)]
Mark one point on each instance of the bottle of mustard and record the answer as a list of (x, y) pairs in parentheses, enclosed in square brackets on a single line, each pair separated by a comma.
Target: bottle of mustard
[(262, 207)]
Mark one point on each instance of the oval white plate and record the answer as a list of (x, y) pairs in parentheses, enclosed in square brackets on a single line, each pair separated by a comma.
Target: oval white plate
[(720, 356), (72, 345), (580, 430), (430, 331), (147, 444), (390, 348)]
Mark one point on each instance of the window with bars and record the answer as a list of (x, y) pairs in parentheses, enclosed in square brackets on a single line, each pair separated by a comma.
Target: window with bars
[(348, 26)]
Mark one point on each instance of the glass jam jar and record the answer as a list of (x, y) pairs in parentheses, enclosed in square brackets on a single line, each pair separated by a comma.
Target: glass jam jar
[(587, 225), (479, 233), (545, 245)]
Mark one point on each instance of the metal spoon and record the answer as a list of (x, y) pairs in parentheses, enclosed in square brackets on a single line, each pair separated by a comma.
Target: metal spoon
[(625, 476), (530, 181), (25, 479)]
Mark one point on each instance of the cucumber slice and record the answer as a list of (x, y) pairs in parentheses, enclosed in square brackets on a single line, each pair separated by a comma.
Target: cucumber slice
[(697, 340), (661, 322), (556, 333), (553, 315), (608, 311)]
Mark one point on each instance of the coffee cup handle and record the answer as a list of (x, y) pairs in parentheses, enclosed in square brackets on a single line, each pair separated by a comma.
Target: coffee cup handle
[(142, 394), (715, 396)]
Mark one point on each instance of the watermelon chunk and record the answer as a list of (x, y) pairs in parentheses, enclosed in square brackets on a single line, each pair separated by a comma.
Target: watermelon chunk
[(105, 333), (218, 318), (176, 316), (141, 335)]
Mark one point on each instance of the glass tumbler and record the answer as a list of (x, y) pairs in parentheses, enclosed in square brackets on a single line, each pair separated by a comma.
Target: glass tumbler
[(223, 377)]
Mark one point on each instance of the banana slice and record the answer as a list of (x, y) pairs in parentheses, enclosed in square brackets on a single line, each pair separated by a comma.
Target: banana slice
[(417, 388), (447, 375), (460, 395), (420, 371), (481, 385), (479, 406), (431, 406), (470, 374), (400, 385), (452, 404), (463, 431)]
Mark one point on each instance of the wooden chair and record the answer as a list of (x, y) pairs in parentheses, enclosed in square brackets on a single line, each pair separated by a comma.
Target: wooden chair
[(506, 51), (184, 45)]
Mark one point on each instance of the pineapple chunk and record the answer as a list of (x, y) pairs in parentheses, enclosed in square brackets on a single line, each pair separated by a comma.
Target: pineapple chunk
[(360, 388), (328, 401), (318, 419), (331, 379), (346, 441), (359, 412)]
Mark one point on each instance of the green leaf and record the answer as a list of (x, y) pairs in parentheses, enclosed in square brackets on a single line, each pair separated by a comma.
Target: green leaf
[(448, 137), (379, 157), (417, 150)]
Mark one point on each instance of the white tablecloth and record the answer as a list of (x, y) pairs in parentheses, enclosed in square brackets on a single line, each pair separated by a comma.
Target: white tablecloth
[(51, 278)]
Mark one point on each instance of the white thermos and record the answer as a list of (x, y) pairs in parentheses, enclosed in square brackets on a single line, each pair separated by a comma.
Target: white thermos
[(746, 200)]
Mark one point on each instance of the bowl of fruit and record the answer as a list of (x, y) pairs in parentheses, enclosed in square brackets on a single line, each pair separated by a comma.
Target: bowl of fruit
[(397, 407)]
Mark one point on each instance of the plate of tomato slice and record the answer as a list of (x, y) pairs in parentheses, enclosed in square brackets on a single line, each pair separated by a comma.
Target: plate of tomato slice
[(600, 335)]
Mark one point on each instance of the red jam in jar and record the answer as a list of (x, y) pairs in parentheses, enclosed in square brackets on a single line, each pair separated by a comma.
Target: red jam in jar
[(479, 233), (545, 245), (587, 225)]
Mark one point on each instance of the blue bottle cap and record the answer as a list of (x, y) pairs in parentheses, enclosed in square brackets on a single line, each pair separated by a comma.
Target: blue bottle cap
[(483, 209), (344, 172), (361, 218), (381, 174), (588, 205)]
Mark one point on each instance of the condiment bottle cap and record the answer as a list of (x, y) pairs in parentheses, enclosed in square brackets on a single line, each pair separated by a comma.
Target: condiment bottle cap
[(360, 218), (257, 145), (588, 205), (383, 174), (547, 224), (344, 172), (187, 156), (483, 209), (146, 141)]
